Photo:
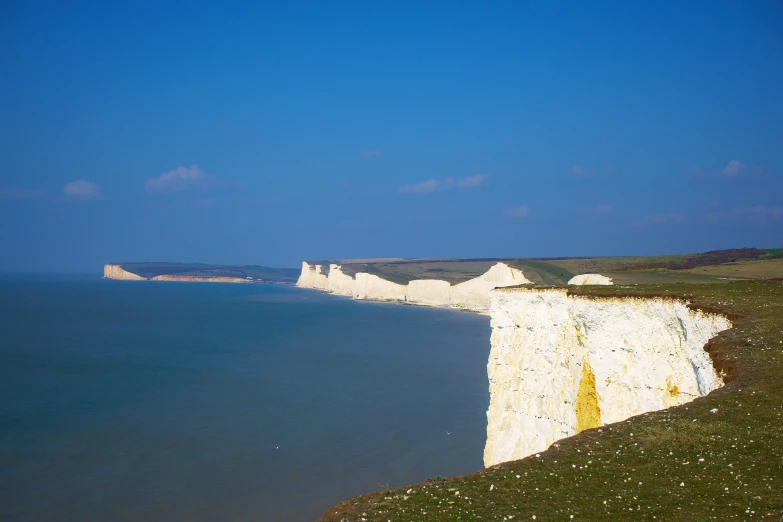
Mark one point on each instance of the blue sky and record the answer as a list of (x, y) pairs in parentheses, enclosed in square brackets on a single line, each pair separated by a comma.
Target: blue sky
[(273, 133)]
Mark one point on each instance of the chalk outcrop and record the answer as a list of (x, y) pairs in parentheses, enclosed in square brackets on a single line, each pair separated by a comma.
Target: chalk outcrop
[(117, 272), (560, 364), (590, 279), (469, 295), (313, 276)]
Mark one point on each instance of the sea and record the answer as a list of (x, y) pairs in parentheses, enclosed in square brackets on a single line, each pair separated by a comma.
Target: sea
[(166, 401)]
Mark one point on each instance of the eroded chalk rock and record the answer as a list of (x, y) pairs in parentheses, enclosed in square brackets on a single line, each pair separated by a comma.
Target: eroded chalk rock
[(560, 364), (590, 279)]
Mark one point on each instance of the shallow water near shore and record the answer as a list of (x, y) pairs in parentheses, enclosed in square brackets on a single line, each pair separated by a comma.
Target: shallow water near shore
[(123, 400)]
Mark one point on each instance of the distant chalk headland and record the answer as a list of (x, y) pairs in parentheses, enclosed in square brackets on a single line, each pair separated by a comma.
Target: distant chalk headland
[(199, 272)]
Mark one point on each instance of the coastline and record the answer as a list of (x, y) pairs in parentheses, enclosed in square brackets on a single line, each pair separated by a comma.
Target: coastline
[(588, 472)]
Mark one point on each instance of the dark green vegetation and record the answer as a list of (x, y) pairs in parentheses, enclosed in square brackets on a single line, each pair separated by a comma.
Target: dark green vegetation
[(717, 458), (264, 273), (403, 271), (541, 272), (738, 263)]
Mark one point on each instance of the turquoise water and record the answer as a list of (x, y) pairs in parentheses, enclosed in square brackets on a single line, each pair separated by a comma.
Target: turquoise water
[(126, 400)]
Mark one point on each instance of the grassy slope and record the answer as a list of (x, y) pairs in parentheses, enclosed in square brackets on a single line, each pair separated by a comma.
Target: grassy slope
[(624, 270), (684, 463), (265, 273), (542, 272)]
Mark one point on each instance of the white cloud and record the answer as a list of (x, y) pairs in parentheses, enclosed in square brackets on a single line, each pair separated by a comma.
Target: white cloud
[(734, 169), (431, 185), (82, 189), (181, 178), (434, 185), (602, 209), (759, 214), (521, 212), (760, 210), (472, 181), (581, 171), (663, 218), (372, 153)]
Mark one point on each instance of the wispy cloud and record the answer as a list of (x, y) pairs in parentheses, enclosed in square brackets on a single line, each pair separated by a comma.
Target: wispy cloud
[(258, 202), (179, 179), (82, 189), (734, 169), (581, 171), (473, 181), (519, 212), (13, 193), (759, 214), (435, 185), (372, 153), (602, 209), (657, 219), (431, 185), (759, 211)]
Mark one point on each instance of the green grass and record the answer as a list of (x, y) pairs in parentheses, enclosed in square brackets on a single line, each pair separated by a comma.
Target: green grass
[(684, 463), (668, 269), (543, 272), (265, 273)]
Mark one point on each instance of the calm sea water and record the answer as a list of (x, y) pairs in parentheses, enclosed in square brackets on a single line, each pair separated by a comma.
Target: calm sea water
[(147, 401)]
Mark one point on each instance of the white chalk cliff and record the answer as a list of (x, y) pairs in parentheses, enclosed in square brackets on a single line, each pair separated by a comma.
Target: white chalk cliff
[(590, 279), (117, 272), (560, 364), (469, 295)]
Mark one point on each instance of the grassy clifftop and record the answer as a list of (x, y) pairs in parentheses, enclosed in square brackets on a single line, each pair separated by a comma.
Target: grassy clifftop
[(149, 270), (717, 458), (707, 267)]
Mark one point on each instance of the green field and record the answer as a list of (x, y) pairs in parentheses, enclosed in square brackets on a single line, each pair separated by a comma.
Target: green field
[(684, 463), (708, 267), (263, 273)]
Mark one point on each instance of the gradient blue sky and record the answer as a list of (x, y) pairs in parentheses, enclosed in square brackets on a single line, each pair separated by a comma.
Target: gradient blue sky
[(285, 131)]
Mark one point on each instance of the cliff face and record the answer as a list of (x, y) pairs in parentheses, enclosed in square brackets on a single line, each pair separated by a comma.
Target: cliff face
[(312, 276), (590, 279), (197, 279), (470, 295), (561, 364), (116, 272)]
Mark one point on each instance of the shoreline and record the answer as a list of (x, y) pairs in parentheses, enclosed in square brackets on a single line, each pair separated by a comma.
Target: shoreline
[(756, 316)]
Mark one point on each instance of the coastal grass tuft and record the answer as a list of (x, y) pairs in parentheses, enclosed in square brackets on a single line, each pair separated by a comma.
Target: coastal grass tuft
[(717, 458)]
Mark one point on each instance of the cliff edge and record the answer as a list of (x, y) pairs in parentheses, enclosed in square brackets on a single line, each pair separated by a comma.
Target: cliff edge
[(561, 364), (469, 295), (117, 272)]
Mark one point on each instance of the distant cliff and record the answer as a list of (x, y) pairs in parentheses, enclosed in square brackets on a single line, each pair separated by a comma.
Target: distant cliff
[(197, 279), (590, 279), (198, 272), (469, 295), (117, 272)]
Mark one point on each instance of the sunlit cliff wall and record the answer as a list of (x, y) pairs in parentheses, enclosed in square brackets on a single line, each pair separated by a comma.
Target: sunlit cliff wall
[(470, 295), (590, 279), (560, 364), (116, 272)]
